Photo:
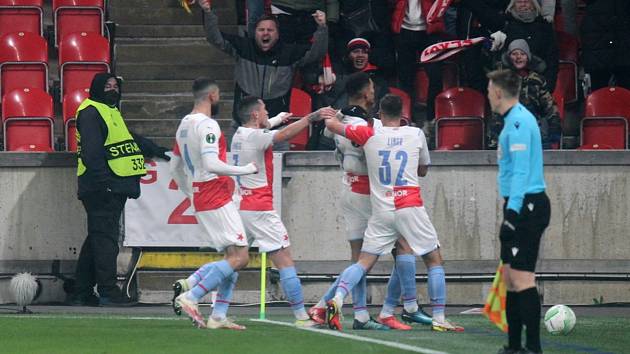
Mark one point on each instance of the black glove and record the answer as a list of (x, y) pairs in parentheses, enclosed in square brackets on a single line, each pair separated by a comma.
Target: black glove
[(160, 152), (508, 226)]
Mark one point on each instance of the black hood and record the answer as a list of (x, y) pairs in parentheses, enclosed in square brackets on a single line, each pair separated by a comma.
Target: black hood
[(97, 88)]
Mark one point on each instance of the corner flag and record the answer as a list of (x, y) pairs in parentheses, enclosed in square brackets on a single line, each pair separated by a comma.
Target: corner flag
[(494, 308)]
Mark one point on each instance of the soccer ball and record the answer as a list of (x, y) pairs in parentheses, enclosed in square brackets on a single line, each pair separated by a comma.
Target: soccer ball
[(560, 319)]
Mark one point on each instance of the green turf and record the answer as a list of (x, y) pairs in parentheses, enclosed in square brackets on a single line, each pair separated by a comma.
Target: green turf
[(100, 334)]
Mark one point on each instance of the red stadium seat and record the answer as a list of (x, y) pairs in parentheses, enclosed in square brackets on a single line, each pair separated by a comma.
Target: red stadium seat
[(21, 16), (71, 16), (450, 78), (300, 105), (606, 119), (81, 56), (459, 114), (23, 62), (70, 104), (406, 111), (27, 120), (567, 81)]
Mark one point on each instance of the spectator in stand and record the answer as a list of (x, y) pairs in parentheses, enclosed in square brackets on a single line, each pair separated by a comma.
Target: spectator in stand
[(264, 66), (605, 33), (357, 59), (409, 22), (534, 95), (370, 20), (525, 21), (296, 20)]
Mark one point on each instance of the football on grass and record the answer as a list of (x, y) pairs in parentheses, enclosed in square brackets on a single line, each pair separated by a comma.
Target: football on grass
[(560, 319)]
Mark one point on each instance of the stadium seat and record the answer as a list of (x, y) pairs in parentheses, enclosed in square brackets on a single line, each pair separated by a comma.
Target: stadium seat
[(450, 78), (406, 111), (300, 105), (23, 62), (70, 104), (567, 81), (72, 16), (21, 16), (81, 56), (459, 114), (605, 124), (27, 120)]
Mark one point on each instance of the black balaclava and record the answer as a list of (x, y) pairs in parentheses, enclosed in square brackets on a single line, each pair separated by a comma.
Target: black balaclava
[(97, 90)]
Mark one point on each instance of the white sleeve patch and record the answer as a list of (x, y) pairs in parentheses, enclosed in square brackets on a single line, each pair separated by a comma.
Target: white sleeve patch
[(518, 147)]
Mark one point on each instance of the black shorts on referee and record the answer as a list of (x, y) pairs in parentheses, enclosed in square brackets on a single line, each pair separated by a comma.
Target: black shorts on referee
[(520, 249)]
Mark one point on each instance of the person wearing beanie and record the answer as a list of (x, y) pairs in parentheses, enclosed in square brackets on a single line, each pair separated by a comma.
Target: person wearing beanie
[(534, 94), (525, 21)]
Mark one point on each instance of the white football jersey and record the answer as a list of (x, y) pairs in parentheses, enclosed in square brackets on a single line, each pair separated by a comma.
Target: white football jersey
[(255, 145), (393, 155), (197, 135), (351, 155)]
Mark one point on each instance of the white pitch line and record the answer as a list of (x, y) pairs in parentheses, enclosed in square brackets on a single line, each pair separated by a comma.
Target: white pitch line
[(410, 348)]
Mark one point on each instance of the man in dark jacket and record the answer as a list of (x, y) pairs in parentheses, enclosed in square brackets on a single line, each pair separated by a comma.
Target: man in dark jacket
[(264, 66), (110, 164)]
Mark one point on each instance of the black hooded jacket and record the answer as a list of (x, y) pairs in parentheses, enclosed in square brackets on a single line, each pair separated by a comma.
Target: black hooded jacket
[(98, 177)]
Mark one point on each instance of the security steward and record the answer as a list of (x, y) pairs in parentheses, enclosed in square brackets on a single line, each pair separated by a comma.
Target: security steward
[(110, 164), (526, 211)]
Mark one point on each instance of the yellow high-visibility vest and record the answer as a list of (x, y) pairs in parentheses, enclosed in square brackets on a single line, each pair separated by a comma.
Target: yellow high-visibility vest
[(122, 152)]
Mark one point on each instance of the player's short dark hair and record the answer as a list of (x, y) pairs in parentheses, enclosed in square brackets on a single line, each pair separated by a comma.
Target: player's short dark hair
[(506, 80), (246, 107), (268, 18), (356, 83), (391, 106), (201, 87)]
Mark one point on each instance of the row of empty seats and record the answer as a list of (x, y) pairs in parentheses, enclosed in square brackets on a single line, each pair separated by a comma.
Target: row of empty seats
[(28, 119), (24, 61), (70, 16)]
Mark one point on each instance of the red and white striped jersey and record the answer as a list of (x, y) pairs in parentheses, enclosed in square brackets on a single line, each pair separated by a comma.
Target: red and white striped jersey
[(255, 145), (352, 157), (393, 155), (197, 135)]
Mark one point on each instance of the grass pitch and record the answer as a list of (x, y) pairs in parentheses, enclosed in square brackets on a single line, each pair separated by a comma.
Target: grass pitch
[(99, 333)]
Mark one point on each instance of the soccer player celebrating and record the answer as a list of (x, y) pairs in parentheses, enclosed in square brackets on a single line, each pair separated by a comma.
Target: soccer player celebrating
[(356, 208), (252, 143), (395, 157), (526, 211), (200, 157)]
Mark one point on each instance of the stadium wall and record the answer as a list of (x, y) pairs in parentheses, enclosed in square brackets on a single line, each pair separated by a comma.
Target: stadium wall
[(42, 221)]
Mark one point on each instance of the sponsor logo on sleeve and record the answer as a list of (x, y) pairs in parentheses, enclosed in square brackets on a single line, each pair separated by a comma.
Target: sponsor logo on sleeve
[(518, 147), (211, 138)]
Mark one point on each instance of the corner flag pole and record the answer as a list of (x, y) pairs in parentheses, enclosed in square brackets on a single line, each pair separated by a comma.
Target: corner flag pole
[(263, 284)]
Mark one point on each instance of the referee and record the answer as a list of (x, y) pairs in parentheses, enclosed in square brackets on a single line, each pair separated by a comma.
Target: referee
[(526, 211)]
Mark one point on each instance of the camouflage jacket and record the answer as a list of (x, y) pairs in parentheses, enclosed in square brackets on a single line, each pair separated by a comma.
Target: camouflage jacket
[(536, 97)]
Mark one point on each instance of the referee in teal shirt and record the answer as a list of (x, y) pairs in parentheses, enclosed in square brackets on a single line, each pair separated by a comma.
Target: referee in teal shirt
[(526, 211)]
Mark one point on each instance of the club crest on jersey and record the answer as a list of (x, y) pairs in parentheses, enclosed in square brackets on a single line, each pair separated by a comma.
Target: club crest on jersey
[(211, 138), (517, 124)]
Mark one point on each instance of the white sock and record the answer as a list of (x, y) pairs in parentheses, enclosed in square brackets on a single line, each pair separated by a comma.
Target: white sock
[(191, 281), (439, 317), (321, 304), (387, 311), (411, 306), (362, 316), (190, 296), (301, 314), (338, 299)]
